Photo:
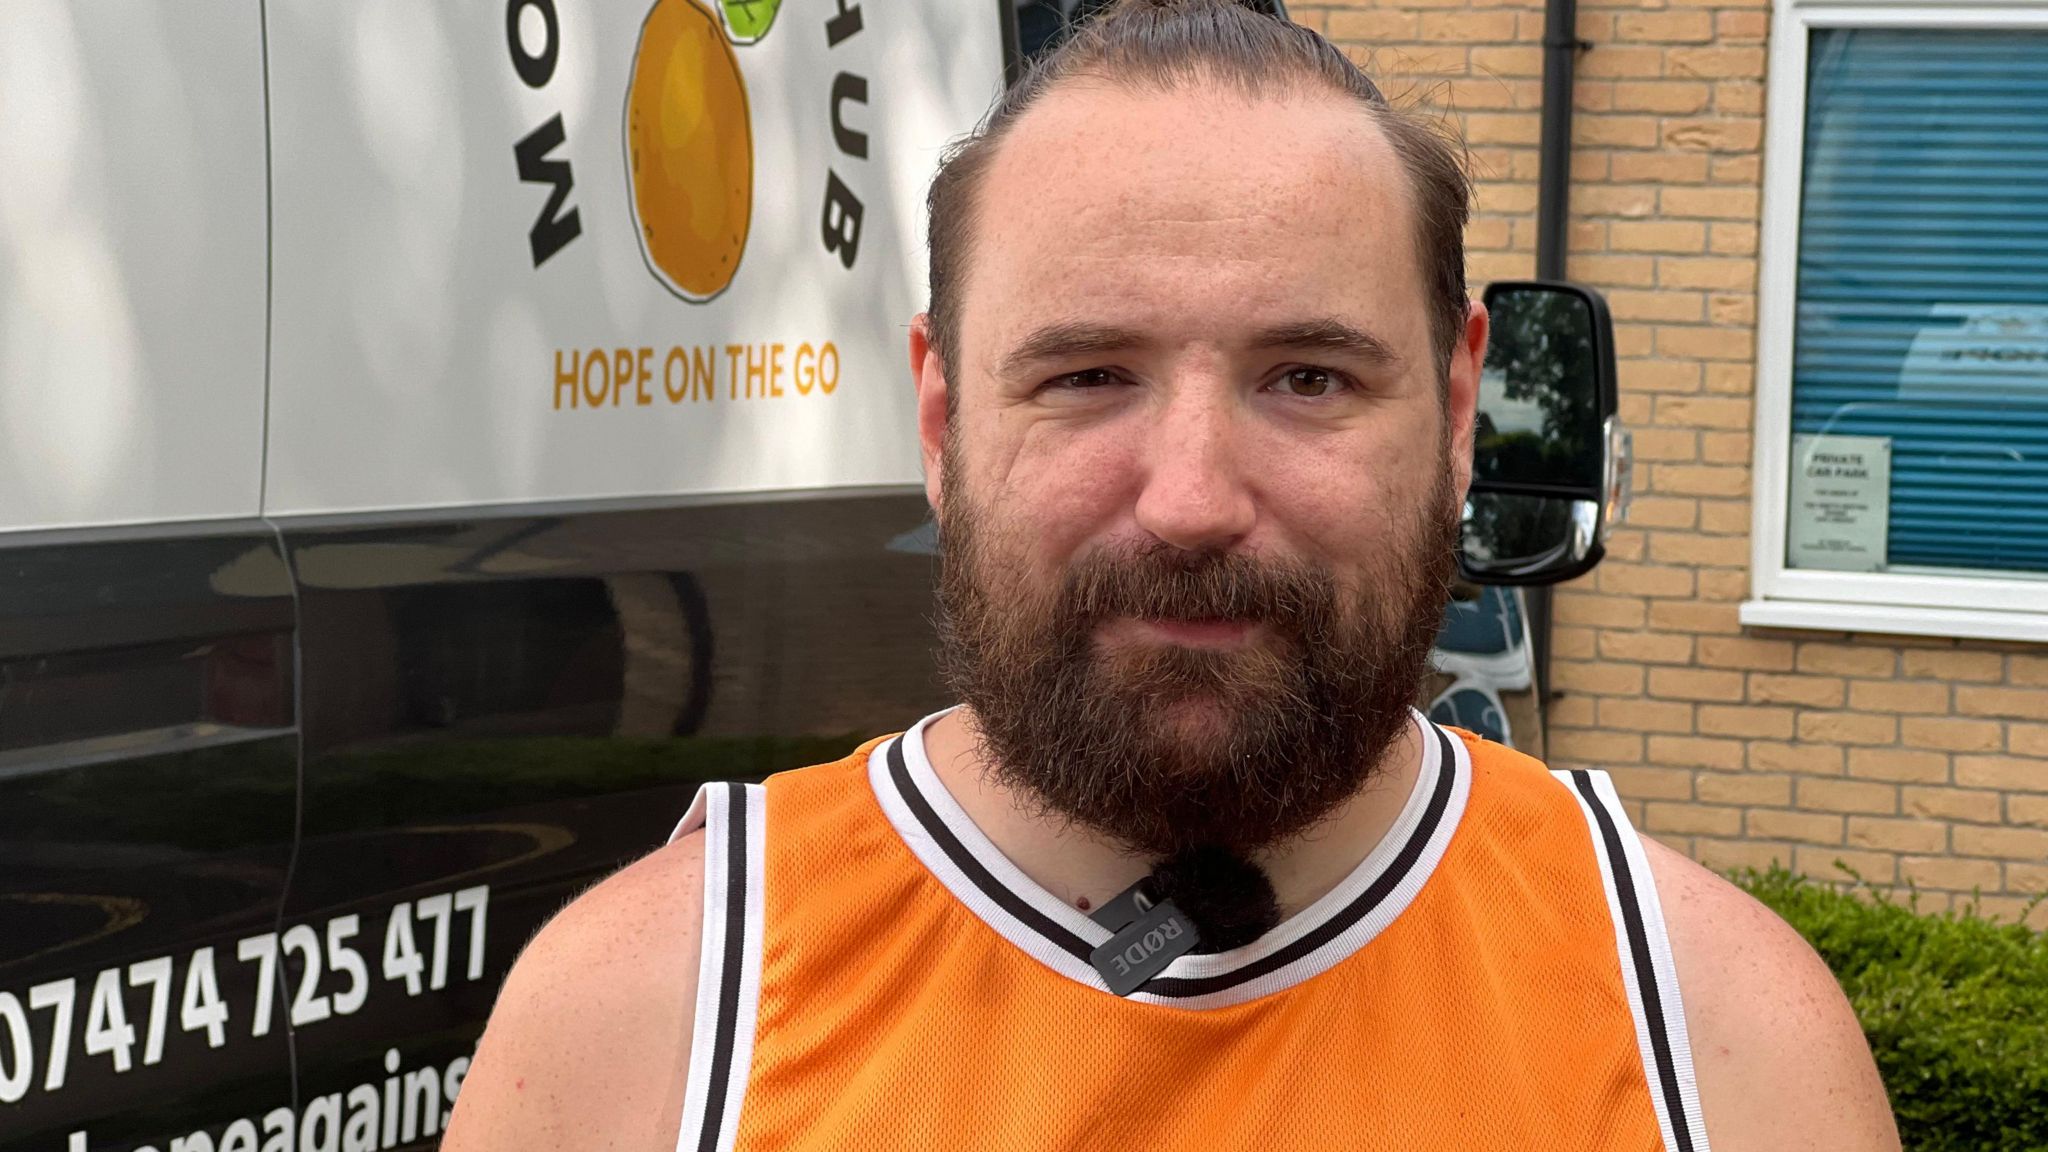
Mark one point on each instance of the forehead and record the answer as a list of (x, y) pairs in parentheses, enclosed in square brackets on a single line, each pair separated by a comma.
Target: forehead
[(1192, 208)]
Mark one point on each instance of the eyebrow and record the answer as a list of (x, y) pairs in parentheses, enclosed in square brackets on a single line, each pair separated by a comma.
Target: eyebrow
[(1069, 339), (1330, 335)]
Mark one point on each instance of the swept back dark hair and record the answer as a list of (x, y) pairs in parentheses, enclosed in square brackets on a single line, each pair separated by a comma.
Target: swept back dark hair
[(1175, 44)]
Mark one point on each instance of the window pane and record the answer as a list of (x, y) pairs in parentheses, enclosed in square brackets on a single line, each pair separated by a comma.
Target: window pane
[(1920, 370)]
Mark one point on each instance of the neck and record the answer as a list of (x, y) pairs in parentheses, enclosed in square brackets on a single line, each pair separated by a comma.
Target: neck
[(1085, 868)]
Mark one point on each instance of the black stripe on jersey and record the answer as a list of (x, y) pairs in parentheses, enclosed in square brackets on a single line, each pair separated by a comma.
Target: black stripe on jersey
[(1344, 918), (994, 889), (1639, 958), (1180, 987), (730, 966)]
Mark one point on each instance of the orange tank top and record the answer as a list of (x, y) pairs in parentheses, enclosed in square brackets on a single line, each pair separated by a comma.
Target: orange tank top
[(875, 975)]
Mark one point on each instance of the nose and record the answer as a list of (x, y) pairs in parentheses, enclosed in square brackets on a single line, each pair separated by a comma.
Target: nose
[(1195, 495)]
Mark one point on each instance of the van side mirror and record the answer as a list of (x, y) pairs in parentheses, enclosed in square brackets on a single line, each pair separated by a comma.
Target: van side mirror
[(1550, 467)]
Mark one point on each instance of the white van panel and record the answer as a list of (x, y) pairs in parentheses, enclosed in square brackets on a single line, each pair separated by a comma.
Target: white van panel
[(417, 346), (131, 262)]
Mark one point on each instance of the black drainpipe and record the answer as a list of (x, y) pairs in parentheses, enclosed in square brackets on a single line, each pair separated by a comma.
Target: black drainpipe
[(1554, 176), (1553, 218)]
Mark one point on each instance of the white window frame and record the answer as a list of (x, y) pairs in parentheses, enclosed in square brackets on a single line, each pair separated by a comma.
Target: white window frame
[(1924, 604)]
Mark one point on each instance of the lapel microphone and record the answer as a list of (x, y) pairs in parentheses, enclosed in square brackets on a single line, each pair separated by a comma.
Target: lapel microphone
[(1206, 898)]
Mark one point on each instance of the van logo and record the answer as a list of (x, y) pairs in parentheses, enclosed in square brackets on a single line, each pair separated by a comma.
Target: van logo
[(690, 142), (688, 137)]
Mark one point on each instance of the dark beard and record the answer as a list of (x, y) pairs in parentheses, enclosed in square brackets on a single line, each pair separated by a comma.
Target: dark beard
[(1168, 749)]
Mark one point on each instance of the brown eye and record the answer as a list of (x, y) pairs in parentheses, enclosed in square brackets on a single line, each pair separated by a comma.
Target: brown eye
[(1087, 378), (1308, 382)]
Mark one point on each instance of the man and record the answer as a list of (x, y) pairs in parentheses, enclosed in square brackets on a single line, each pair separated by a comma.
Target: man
[(1185, 870)]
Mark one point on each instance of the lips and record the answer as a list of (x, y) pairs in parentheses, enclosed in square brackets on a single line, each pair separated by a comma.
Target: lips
[(1199, 632)]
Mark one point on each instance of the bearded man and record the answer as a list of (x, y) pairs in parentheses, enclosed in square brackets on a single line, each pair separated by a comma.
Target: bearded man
[(1184, 869)]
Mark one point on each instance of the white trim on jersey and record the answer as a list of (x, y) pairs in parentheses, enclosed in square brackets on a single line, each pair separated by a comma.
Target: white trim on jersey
[(947, 842), (922, 833), (1351, 915), (735, 822), (1644, 952)]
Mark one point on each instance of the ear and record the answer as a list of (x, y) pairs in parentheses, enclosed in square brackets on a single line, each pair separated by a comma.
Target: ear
[(928, 372), (1461, 402)]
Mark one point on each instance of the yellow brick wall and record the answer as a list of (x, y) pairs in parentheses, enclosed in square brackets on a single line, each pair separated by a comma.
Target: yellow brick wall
[(1912, 761)]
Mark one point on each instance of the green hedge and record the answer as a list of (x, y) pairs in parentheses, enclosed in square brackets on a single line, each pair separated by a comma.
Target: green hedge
[(1955, 1006)]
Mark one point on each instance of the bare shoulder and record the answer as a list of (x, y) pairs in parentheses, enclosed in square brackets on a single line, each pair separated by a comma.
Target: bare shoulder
[(1780, 1058), (589, 1043)]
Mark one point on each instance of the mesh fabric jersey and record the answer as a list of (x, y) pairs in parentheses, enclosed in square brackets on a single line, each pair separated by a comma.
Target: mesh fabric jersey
[(876, 975)]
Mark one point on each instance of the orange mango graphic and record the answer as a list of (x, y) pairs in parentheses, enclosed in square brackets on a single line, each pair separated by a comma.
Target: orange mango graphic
[(689, 149)]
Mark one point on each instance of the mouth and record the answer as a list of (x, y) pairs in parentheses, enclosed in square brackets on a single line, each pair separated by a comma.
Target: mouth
[(1215, 634)]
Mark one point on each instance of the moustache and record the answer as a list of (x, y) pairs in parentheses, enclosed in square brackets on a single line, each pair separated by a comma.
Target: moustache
[(1162, 582)]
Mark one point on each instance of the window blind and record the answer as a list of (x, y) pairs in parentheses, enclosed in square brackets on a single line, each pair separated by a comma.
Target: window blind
[(1923, 282)]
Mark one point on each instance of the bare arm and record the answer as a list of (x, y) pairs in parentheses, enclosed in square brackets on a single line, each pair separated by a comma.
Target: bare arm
[(589, 1044), (1780, 1058)]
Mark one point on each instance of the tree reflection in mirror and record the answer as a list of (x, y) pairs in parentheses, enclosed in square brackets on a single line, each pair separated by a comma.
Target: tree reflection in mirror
[(1506, 535), (1541, 436), (1539, 407)]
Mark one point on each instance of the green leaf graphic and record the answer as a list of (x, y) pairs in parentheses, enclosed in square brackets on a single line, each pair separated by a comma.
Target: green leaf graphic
[(747, 20)]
